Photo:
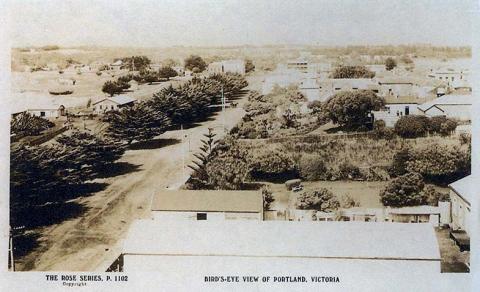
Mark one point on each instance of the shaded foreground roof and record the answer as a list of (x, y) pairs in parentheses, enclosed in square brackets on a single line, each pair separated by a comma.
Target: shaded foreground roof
[(359, 240), (208, 201), (465, 188)]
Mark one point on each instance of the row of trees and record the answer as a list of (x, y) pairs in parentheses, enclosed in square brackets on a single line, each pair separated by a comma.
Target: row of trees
[(414, 126), (49, 174), (184, 104), (27, 125), (144, 76)]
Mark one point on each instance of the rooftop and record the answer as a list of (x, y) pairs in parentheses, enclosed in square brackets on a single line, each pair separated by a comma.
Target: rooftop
[(464, 188), (119, 99), (359, 240), (449, 99), (208, 201)]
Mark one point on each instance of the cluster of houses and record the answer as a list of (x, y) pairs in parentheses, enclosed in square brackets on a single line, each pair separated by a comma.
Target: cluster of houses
[(443, 92), (187, 226)]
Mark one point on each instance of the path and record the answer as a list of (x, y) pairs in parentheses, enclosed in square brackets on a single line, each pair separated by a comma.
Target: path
[(87, 242)]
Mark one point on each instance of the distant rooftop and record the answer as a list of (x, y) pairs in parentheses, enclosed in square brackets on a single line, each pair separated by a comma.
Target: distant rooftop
[(465, 188), (208, 201), (119, 99), (347, 240)]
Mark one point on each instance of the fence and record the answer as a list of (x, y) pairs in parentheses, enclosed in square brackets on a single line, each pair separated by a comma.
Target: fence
[(314, 138)]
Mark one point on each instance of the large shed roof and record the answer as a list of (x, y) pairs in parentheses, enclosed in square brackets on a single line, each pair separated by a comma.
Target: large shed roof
[(347, 240)]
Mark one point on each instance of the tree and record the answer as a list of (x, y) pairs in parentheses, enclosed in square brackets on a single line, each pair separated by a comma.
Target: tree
[(312, 168), (440, 163), (352, 108), (136, 123), (194, 61), (347, 201), (352, 72), (149, 76), (268, 164), (97, 153), (166, 72), (405, 190), (390, 63), (321, 200), (249, 67), (412, 126), (28, 125), (199, 178), (112, 88), (227, 172), (136, 63), (399, 164), (268, 198)]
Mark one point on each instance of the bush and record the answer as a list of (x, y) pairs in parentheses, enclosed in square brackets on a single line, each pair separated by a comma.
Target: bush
[(465, 138), (441, 164), (347, 201), (434, 196), (412, 126), (272, 165), (312, 167), (321, 200), (405, 190), (399, 164), (442, 125), (349, 171), (380, 131), (352, 72)]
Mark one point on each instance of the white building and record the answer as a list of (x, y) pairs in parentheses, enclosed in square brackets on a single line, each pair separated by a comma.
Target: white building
[(207, 205), (397, 107), (310, 88), (462, 194), (227, 66), (282, 79), (396, 87), (451, 106), (221, 248), (298, 64), (112, 103), (448, 75)]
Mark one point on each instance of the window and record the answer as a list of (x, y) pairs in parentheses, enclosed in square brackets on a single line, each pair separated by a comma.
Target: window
[(112, 107), (201, 216), (407, 110), (337, 88), (388, 109), (42, 114), (100, 106), (354, 88)]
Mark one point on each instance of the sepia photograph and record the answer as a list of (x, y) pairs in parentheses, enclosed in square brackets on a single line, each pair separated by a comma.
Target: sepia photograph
[(265, 144)]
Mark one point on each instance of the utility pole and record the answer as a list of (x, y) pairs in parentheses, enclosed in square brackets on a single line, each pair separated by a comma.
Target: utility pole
[(223, 111), (10, 251), (183, 152)]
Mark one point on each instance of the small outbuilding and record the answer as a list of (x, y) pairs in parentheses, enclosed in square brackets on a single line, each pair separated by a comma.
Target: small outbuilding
[(211, 205)]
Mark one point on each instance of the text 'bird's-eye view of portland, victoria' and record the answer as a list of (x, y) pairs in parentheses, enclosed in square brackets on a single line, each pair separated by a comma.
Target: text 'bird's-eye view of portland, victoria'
[(170, 135)]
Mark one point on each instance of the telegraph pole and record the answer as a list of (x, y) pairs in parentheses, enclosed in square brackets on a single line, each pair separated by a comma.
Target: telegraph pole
[(223, 111)]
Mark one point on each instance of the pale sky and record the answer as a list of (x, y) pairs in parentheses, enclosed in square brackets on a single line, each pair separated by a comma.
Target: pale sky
[(162, 23)]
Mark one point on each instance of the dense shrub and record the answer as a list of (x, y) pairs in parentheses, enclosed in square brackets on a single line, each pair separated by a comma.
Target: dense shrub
[(441, 164), (312, 167), (399, 163), (434, 196), (442, 125), (465, 138), (412, 126), (349, 171), (380, 131), (26, 124), (272, 165), (405, 190), (320, 200)]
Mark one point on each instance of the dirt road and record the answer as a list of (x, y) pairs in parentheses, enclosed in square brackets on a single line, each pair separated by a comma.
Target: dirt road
[(91, 241)]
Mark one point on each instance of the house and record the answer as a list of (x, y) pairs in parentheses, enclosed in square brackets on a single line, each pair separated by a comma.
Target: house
[(310, 88), (227, 66), (458, 106), (39, 107), (448, 75), (397, 107), (208, 205), (396, 86), (435, 215), (298, 64), (176, 248), (117, 65), (462, 194), (179, 69), (112, 103)]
